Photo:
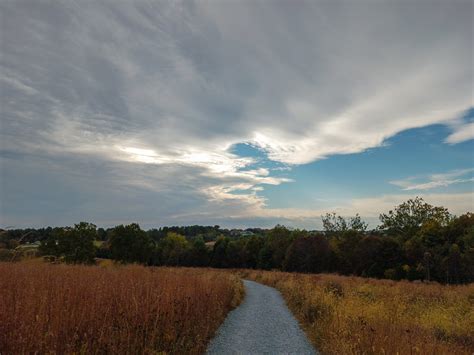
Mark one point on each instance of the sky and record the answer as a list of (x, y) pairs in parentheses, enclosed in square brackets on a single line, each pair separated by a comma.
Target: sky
[(238, 113)]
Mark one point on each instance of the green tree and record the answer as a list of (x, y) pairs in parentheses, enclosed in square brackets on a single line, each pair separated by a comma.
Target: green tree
[(130, 244), (76, 244), (337, 225), (173, 249), (219, 253), (408, 218), (252, 249), (235, 253), (198, 254), (50, 245), (278, 240), (265, 260)]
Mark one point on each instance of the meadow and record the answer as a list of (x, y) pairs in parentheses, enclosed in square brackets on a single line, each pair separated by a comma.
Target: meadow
[(47, 308), (353, 315), (124, 309)]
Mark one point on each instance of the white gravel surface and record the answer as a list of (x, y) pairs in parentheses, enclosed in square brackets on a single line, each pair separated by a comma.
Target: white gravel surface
[(262, 324)]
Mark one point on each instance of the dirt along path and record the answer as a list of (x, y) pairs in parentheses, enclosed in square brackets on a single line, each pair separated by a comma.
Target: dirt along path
[(262, 324)]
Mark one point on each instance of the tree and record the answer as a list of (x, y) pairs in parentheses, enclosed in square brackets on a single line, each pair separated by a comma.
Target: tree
[(408, 218), (427, 263), (453, 264), (235, 254), (415, 241), (265, 260), (50, 245), (468, 263), (198, 254), (76, 244), (357, 224), (374, 255), (337, 225), (173, 249), (219, 253), (307, 254), (414, 250), (252, 249), (333, 223), (129, 244), (101, 234), (278, 240), (461, 228)]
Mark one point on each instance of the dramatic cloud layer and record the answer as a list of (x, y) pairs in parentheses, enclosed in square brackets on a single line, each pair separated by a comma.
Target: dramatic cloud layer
[(146, 99)]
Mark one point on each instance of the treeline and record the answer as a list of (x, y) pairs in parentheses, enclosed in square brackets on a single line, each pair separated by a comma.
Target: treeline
[(13, 237), (415, 241)]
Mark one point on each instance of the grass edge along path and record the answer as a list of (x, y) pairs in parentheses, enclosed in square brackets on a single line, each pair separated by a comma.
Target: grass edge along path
[(353, 315)]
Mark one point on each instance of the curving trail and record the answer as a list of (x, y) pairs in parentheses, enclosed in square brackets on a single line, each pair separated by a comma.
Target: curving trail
[(262, 324)]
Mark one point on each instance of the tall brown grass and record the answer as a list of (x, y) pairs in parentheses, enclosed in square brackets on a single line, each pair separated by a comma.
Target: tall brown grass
[(132, 309), (351, 315)]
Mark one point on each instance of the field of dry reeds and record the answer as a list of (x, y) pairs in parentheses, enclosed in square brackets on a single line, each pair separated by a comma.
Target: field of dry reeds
[(131, 309), (353, 315)]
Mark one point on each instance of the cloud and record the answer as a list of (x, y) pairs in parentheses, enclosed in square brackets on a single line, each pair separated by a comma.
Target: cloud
[(435, 180), (302, 90), (461, 133), (166, 88), (435, 184)]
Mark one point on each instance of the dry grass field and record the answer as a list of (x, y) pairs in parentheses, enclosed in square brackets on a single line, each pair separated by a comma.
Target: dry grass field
[(79, 309), (351, 315)]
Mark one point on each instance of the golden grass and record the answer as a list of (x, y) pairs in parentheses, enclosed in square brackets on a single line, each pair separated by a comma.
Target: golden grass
[(351, 315), (117, 310)]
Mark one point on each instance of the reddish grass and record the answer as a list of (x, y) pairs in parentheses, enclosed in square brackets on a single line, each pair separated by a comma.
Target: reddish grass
[(80, 309)]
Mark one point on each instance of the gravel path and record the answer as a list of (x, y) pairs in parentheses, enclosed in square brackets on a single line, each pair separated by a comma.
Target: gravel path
[(262, 324)]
